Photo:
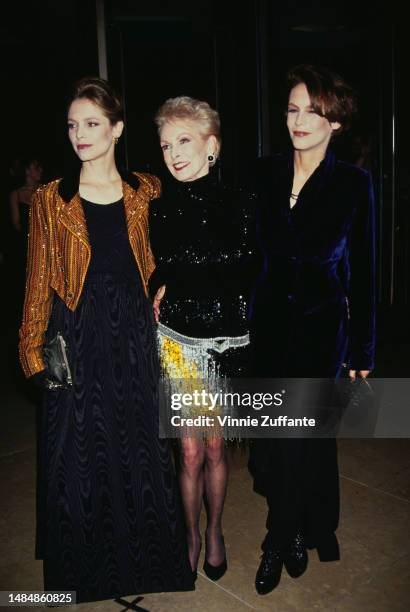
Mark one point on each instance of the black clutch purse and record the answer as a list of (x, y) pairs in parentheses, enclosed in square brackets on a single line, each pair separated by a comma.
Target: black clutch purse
[(56, 360)]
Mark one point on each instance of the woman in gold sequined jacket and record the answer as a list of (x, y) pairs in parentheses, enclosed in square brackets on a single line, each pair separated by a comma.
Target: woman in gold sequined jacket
[(111, 525), (60, 252)]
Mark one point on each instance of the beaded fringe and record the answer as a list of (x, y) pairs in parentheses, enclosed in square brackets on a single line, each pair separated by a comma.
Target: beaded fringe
[(190, 364)]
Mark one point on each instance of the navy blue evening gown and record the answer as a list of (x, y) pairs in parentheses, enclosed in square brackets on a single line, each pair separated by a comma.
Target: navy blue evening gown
[(113, 525)]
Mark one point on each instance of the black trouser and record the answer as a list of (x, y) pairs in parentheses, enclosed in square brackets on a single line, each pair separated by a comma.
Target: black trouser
[(302, 493)]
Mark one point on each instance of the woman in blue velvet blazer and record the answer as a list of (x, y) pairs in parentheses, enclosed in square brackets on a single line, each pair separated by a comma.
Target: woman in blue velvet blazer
[(313, 309)]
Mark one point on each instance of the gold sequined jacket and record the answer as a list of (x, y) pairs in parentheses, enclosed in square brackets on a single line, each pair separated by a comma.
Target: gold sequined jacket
[(59, 253)]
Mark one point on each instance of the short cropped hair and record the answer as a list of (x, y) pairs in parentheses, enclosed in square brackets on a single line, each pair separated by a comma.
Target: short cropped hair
[(330, 95), (100, 92), (198, 111)]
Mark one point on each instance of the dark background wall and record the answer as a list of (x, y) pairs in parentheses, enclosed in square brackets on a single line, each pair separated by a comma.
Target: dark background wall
[(44, 47), (234, 58)]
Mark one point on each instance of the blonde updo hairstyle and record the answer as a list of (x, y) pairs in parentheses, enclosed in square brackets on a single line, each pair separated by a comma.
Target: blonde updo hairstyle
[(190, 109)]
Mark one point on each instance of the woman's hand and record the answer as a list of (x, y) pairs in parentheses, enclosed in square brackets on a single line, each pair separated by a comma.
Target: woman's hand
[(361, 373), (157, 302), (44, 380)]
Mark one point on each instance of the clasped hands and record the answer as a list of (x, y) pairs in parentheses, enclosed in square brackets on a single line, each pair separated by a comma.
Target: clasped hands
[(361, 373)]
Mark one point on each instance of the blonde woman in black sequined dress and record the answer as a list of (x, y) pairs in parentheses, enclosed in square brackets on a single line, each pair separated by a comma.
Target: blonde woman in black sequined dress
[(202, 239)]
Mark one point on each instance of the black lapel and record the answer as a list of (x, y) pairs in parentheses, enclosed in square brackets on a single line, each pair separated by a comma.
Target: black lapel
[(317, 182), (69, 185)]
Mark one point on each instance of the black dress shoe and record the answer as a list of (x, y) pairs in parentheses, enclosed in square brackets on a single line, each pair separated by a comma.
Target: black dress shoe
[(214, 572), (295, 558), (269, 571)]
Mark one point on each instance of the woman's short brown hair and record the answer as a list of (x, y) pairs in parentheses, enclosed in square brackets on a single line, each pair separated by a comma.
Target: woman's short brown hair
[(330, 95), (100, 93), (190, 109)]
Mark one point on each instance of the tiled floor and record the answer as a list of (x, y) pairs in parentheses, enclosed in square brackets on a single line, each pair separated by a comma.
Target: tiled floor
[(373, 575)]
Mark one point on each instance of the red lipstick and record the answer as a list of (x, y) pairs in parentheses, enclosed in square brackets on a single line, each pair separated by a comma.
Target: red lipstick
[(180, 167)]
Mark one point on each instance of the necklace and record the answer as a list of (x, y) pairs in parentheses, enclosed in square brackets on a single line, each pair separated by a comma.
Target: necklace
[(294, 196)]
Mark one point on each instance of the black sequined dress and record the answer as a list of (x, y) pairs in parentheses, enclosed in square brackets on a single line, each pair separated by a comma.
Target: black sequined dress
[(203, 242), (113, 524)]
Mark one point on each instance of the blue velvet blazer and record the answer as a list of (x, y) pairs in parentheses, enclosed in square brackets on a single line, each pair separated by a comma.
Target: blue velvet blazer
[(313, 307)]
